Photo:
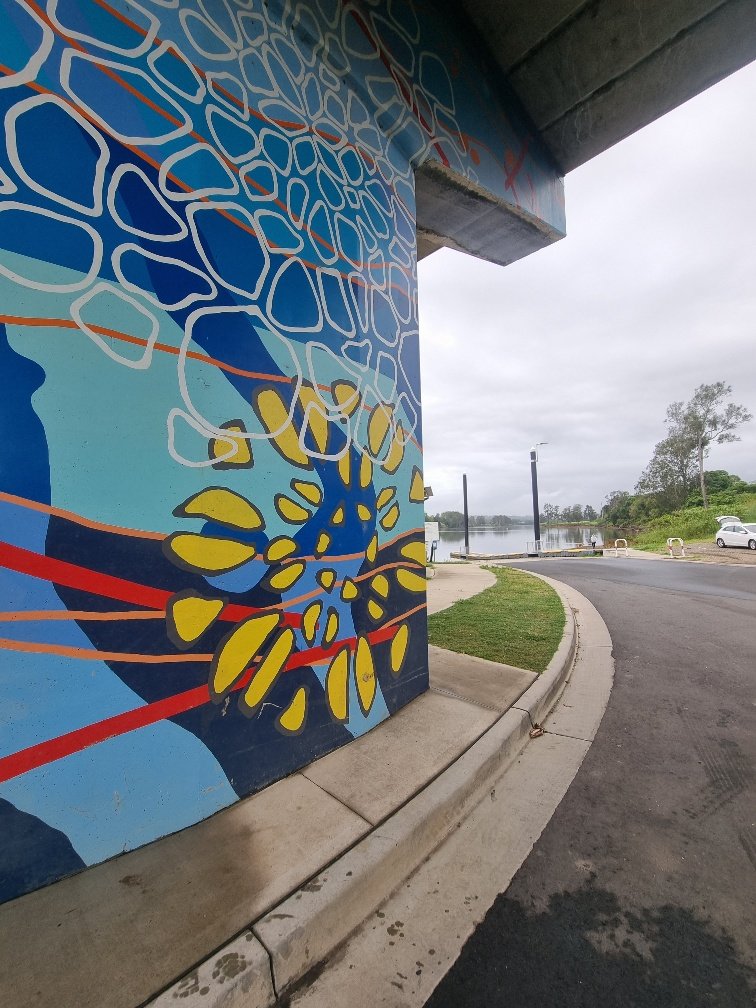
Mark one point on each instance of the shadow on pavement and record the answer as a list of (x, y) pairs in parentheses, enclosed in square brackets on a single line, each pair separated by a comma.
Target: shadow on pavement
[(584, 951)]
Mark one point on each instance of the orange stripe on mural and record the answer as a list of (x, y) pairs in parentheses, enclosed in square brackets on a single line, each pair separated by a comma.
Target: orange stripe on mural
[(81, 615), (78, 519), (88, 654), (46, 752)]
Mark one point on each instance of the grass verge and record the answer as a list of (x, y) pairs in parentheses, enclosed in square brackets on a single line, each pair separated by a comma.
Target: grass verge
[(518, 621), (692, 524)]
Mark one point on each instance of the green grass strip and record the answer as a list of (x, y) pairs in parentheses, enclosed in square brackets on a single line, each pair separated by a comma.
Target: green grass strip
[(518, 621)]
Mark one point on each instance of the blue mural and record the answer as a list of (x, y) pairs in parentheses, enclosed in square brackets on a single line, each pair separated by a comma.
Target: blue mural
[(211, 490)]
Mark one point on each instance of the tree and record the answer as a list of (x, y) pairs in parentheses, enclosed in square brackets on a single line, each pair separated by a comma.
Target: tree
[(550, 514), (671, 473), (451, 520), (616, 507), (589, 513), (707, 419)]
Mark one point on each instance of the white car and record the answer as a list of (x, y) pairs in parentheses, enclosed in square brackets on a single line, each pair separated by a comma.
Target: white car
[(737, 534)]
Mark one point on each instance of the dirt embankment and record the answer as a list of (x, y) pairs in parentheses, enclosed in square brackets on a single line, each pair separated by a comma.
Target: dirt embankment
[(713, 554)]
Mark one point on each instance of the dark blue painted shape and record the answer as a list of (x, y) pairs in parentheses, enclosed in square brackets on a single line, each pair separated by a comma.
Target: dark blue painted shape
[(34, 854), (252, 752), (24, 465)]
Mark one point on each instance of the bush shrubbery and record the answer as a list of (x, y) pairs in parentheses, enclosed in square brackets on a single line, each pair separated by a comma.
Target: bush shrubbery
[(696, 523)]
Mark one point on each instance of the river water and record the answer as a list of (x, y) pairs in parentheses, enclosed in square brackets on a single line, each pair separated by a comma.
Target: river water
[(513, 540)]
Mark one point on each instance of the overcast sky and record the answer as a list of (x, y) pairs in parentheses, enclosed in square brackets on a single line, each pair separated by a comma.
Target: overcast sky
[(585, 343)]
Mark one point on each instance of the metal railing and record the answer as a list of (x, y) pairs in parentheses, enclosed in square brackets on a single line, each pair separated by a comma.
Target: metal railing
[(615, 550)]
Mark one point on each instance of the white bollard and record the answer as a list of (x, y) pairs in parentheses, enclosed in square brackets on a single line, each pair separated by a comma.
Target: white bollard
[(671, 545)]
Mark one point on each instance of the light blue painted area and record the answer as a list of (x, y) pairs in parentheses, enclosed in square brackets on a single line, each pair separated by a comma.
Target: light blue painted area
[(118, 794), (120, 471), (125, 791)]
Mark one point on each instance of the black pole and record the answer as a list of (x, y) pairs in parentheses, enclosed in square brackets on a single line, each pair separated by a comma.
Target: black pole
[(534, 481), (467, 520)]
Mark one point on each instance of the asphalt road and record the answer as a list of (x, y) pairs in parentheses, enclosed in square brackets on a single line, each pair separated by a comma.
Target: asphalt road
[(641, 891)]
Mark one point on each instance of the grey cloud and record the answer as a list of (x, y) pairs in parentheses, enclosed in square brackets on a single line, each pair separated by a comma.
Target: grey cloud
[(586, 343)]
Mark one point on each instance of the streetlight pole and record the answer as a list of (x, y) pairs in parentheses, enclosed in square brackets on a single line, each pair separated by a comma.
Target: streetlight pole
[(534, 483), (467, 520)]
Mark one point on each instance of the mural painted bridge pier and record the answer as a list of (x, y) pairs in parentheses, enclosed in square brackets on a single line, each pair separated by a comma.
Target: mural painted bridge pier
[(211, 490)]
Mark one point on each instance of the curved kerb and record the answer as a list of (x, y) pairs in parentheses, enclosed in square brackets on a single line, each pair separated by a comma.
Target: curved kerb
[(293, 940)]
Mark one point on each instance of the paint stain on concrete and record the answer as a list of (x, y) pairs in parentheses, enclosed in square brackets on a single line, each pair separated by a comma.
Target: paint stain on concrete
[(229, 966)]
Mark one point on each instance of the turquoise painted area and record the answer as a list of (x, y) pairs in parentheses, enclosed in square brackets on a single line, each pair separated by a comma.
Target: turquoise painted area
[(110, 797), (117, 467)]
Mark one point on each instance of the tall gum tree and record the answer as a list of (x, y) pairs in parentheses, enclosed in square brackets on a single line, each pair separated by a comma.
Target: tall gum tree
[(707, 419)]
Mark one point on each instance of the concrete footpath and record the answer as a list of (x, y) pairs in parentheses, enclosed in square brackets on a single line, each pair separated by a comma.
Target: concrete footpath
[(243, 907)]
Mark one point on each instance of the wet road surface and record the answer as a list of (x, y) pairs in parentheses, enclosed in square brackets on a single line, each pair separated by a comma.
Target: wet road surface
[(641, 891)]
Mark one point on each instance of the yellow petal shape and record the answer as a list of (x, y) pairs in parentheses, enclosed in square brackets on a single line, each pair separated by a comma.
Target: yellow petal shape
[(399, 648), (293, 717), (391, 517), (364, 674), (208, 554), (338, 516), (219, 446), (395, 453), (414, 551), (376, 611), (274, 416), (366, 470), (349, 590), (337, 685), (310, 491), (417, 488), (332, 628), (345, 468), (269, 669), (238, 651), (379, 425), (410, 580), (326, 578), (346, 396), (287, 576), (380, 585), (372, 550), (223, 506), (315, 419), (310, 618), (190, 615), (384, 497), (290, 511), (321, 546), (279, 549), (364, 513)]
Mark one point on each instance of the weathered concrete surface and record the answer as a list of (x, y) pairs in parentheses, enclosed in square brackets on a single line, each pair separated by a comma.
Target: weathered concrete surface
[(382, 770), (238, 977), (125, 929), (453, 212), (407, 945), (308, 927), (486, 683), (452, 582), (590, 74)]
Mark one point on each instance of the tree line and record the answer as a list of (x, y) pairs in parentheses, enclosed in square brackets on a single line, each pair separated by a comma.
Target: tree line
[(675, 476), (554, 515), (456, 520)]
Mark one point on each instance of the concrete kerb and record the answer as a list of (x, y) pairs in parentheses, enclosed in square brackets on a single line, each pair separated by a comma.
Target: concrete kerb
[(539, 699), (308, 927)]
